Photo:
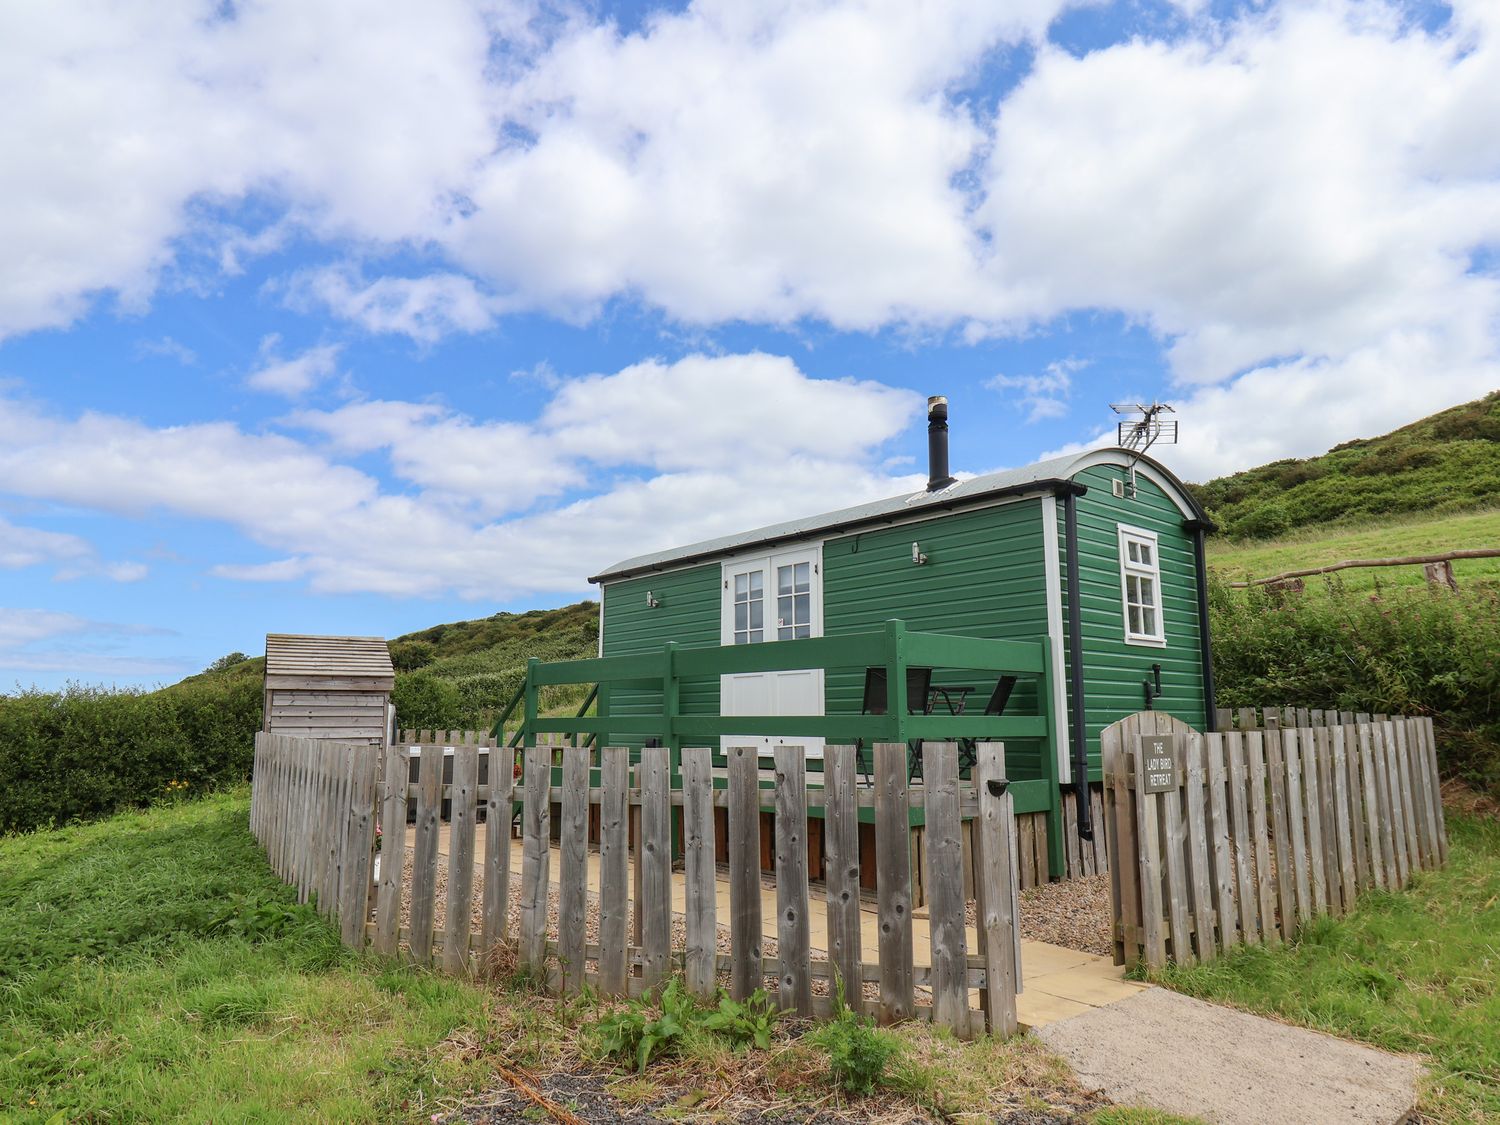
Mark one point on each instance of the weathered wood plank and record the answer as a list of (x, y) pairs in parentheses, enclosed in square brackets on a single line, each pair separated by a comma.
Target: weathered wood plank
[(1344, 833), (1281, 834), (1149, 837), (1387, 733), (498, 805), (841, 862), (536, 837), (1296, 810), (1312, 815), (425, 853), (893, 882), (1260, 836), (793, 933), (945, 890), (1174, 835), (1378, 797), (1199, 845), (573, 876), (744, 871), (614, 868), (995, 885), (700, 904), (1225, 898), (1362, 876), (656, 864), (1429, 738), (1242, 843), (463, 806)]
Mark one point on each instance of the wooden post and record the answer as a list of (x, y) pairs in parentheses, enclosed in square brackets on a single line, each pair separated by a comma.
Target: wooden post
[(614, 869), (945, 890), (841, 859), (425, 852), (893, 881), (463, 805), (656, 865), (996, 881), (744, 870), (498, 810), (792, 927), (574, 873), (536, 839), (698, 861)]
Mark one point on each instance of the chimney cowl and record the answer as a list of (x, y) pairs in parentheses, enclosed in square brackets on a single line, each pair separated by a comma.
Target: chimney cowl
[(937, 444)]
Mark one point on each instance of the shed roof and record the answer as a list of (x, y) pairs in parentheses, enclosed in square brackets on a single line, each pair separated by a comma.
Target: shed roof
[(1043, 476), (337, 658)]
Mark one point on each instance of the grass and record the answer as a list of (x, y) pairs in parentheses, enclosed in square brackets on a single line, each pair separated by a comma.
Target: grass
[(1392, 537), (152, 968), (1416, 972)]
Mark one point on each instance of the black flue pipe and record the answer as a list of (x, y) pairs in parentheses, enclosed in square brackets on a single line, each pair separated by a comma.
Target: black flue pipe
[(937, 444)]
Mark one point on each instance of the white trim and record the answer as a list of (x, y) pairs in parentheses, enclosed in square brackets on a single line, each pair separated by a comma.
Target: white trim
[(601, 622), (1159, 639), (1123, 459), (1052, 563)]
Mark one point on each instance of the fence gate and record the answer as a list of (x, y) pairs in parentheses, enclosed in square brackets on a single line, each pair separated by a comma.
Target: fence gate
[(1244, 835)]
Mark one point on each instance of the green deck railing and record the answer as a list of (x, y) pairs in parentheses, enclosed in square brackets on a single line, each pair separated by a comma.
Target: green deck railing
[(894, 648)]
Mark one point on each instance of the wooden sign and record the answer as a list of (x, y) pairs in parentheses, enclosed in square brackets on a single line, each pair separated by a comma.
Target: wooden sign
[(1159, 755)]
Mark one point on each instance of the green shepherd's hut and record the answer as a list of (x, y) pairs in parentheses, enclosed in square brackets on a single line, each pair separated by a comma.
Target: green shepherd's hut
[(1099, 556)]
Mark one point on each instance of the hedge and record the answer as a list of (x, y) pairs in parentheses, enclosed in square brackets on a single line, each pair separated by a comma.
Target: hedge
[(1405, 650), (88, 752)]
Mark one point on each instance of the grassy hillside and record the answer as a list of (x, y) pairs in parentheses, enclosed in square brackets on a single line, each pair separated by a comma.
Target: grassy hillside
[(1444, 463), (1237, 561)]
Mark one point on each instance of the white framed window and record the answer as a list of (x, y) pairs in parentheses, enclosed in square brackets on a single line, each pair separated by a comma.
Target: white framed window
[(749, 606), (1140, 587)]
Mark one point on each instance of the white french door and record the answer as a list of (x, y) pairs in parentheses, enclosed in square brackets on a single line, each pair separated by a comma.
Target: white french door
[(766, 599)]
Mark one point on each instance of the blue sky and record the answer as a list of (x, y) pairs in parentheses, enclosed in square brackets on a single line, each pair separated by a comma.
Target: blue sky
[(358, 318)]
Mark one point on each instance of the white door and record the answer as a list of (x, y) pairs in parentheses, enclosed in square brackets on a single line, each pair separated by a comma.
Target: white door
[(767, 599)]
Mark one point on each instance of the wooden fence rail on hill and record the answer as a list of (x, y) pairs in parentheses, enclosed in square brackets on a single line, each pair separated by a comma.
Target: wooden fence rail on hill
[(319, 808), (1242, 836)]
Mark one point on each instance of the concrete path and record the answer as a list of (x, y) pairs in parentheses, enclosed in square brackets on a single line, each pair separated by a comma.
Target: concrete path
[(1174, 1053), (1056, 983)]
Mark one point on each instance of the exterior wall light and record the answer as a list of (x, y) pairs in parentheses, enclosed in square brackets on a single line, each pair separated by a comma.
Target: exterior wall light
[(652, 601), (917, 557)]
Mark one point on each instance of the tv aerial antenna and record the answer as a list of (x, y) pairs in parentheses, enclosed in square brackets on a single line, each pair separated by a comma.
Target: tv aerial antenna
[(1141, 427)]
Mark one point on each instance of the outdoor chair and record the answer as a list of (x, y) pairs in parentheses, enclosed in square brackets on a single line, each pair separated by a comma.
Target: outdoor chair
[(876, 702)]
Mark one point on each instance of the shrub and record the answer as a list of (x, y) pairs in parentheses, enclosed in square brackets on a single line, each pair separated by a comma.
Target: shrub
[(858, 1051), (88, 752), (1408, 650), (425, 702)]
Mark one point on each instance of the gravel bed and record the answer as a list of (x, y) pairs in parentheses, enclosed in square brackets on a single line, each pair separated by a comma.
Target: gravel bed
[(1076, 914)]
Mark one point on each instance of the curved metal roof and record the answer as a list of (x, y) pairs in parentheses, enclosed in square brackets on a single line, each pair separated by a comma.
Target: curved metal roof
[(1043, 476)]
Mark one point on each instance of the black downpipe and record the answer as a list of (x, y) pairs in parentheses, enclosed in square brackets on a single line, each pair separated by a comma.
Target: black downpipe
[(1075, 671), (1205, 643)]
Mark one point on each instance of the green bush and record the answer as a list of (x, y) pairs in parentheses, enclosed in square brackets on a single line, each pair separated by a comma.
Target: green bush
[(424, 702), (1406, 650), (858, 1051), (88, 752)]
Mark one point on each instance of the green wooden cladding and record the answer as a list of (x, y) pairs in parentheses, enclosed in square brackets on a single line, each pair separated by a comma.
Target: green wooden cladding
[(1113, 671)]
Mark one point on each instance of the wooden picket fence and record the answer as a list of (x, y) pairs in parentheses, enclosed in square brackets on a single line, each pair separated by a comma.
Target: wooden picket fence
[(316, 805), (1262, 829)]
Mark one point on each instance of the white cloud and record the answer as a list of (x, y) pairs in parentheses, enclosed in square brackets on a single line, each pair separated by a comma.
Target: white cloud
[(1294, 193), (42, 640), (167, 348), (31, 546), (73, 556), (463, 515), (1045, 395), (293, 377), (423, 308)]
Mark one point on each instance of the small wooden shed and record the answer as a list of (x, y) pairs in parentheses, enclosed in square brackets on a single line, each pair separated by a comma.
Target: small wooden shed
[(329, 687)]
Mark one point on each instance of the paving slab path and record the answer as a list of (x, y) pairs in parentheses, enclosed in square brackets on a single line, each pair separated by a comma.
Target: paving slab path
[(1161, 1049)]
